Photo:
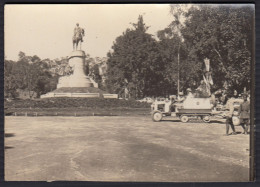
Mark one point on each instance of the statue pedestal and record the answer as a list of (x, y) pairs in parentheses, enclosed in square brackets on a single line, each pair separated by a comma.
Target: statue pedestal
[(78, 78), (78, 84)]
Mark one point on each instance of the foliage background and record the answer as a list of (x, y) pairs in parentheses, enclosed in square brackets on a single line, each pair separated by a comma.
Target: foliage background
[(142, 65)]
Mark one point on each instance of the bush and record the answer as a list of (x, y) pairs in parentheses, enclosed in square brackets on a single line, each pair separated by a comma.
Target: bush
[(76, 103)]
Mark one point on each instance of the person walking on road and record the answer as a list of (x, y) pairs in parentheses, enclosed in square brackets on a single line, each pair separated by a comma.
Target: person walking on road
[(244, 111), (229, 122)]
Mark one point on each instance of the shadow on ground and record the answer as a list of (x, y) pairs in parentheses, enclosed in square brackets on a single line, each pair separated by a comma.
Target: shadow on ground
[(170, 120), (9, 147), (8, 135), (192, 121)]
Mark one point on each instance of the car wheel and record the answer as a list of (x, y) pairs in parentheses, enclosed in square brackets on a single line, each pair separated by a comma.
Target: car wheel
[(206, 118), (184, 119), (157, 116)]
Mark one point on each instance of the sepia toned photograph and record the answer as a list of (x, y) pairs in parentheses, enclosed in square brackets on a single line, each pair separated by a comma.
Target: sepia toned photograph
[(129, 92)]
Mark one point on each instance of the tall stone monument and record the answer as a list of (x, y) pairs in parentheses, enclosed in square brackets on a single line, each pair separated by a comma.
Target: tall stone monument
[(78, 77), (77, 62), (78, 84)]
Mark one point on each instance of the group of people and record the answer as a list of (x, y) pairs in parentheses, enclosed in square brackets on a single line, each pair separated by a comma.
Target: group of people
[(243, 113), (200, 92), (243, 110)]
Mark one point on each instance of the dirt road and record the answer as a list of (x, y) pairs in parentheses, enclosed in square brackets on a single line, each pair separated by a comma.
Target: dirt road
[(122, 149)]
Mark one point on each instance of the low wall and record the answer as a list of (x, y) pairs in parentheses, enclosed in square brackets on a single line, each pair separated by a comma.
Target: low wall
[(111, 96), (89, 95)]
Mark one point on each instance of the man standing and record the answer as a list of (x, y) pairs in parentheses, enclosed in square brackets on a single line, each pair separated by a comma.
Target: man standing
[(244, 111), (229, 122), (189, 93), (201, 91)]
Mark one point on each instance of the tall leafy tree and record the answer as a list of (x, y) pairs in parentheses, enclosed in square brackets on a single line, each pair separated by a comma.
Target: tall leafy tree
[(224, 35), (175, 53), (29, 73), (10, 85), (135, 63), (218, 32), (96, 76)]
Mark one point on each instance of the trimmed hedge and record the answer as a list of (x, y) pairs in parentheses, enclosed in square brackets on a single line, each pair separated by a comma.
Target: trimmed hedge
[(76, 103)]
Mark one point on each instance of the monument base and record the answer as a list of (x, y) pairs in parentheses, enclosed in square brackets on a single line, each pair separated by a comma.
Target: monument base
[(75, 92), (78, 84), (90, 92), (77, 78), (73, 81)]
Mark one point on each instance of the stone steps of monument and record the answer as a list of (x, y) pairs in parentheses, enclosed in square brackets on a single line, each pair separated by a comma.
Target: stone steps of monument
[(79, 90)]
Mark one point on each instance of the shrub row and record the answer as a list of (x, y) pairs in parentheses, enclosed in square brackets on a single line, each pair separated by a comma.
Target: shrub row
[(76, 102)]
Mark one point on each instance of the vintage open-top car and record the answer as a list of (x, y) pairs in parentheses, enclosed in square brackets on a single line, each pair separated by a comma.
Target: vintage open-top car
[(199, 108), (190, 108)]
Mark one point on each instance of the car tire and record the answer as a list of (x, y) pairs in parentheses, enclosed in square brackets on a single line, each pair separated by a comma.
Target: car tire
[(184, 118), (206, 118), (157, 116)]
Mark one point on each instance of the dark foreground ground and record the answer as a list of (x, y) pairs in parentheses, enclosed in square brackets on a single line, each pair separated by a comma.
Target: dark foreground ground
[(122, 149)]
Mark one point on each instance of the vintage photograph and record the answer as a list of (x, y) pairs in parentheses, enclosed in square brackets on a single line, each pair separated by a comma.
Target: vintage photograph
[(128, 92)]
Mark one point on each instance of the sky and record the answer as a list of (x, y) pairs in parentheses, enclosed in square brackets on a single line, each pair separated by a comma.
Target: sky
[(46, 30)]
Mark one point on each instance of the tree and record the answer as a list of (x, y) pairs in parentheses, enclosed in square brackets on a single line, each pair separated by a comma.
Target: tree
[(224, 35), (175, 53), (9, 80), (29, 73), (45, 83), (135, 63), (221, 33), (169, 49), (95, 73)]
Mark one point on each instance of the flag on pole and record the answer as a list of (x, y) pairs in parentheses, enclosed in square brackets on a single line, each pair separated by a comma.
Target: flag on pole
[(210, 80), (207, 85), (207, 64)]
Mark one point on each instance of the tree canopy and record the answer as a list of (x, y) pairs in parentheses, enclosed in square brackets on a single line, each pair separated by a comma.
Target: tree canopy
[(224, 35), (29, 73), (148, 67), (135, 63)]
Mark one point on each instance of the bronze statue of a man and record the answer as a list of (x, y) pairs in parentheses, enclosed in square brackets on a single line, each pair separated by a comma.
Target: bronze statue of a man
[(77, 37)]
